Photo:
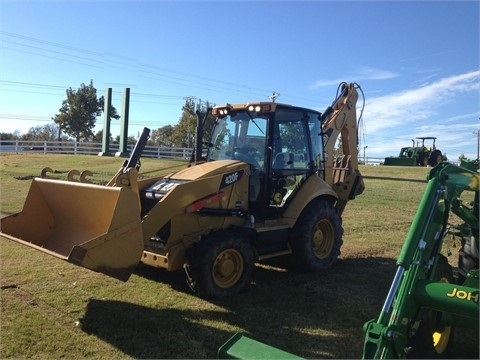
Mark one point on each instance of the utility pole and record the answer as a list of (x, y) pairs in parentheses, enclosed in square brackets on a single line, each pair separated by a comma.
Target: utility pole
[(190, 102), (366, 146), (478, 143)]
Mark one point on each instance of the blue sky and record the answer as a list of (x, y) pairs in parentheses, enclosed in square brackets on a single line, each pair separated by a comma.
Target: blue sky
[(417, 62)]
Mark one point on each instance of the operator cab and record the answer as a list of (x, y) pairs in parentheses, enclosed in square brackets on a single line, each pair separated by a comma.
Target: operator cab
[(282, 144)]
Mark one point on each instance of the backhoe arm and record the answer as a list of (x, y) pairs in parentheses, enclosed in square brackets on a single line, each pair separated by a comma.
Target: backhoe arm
[(340, 120)]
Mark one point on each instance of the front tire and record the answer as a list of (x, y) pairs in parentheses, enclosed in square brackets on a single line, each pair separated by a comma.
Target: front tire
[(316, 238), (221, 265)]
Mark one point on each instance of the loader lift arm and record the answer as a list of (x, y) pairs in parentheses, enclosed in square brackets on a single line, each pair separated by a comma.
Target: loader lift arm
[(417, 290)]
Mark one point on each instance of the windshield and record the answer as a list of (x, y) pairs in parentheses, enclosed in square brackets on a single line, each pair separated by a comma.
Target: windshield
[(240, 136)]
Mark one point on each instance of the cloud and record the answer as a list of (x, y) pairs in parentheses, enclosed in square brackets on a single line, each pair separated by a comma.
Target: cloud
[(414, 105), (362, 73), (390, 121)]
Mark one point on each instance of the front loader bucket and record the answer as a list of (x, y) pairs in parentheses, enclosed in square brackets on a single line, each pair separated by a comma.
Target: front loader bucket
[(97, 227)]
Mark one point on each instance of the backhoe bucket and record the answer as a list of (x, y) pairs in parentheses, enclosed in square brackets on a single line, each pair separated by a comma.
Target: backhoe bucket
[(97, 227)]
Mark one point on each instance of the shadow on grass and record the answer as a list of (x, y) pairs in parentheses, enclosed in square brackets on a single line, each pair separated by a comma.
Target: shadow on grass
[(312, 315), (174, 279), (143, 332)]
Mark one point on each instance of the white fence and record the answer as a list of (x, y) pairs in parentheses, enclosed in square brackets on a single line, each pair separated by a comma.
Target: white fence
[(368, 160), (87, 148)]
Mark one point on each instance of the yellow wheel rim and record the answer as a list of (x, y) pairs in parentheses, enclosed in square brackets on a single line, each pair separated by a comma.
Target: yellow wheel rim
[(440, 339), (323, 239), (227, 268)]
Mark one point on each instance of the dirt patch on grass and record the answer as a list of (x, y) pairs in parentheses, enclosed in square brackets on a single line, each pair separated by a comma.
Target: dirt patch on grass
[(26, 177)]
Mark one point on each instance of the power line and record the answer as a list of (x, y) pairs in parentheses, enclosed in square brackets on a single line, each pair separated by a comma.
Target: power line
[(98, 59), (25, 117)]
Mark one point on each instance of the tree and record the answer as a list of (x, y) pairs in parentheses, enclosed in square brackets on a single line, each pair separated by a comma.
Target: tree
[(80, 110), (462, 157), (338, 148), (47, 132), (183, 134), (162, 136), (98, 137), (10, 136)]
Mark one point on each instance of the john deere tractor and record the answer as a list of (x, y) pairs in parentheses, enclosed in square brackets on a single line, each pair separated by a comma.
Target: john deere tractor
[(417, 154), (426, 301)]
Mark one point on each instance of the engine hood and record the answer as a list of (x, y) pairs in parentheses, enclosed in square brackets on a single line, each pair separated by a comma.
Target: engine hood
[(208, 169)]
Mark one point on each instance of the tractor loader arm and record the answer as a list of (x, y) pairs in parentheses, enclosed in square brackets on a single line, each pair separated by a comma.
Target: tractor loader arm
[(128, 173), (138, 149), (423, 303), (340, 120)]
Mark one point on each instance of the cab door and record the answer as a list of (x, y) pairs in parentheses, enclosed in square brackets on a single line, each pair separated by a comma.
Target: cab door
[(291, 157)]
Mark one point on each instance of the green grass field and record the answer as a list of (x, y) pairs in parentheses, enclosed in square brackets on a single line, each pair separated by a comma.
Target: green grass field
[(52, 309)]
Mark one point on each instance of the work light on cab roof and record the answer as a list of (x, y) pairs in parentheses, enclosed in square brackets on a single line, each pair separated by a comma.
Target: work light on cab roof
[(221, 111)]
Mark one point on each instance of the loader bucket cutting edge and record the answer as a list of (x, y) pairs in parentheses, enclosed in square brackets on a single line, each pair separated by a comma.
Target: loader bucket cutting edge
[(93, 226)]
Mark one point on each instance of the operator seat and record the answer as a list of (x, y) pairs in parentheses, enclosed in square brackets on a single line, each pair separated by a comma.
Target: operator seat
[(283, 160)]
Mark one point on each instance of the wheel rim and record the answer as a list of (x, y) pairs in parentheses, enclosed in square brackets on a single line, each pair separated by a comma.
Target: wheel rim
[(323, 239), (441, 338), (227, 268)]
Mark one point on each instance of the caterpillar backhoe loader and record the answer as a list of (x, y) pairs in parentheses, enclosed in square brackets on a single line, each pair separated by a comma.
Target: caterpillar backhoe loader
[(268, 185)]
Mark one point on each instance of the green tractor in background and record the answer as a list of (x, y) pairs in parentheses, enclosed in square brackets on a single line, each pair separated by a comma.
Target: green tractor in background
[(417, 155)]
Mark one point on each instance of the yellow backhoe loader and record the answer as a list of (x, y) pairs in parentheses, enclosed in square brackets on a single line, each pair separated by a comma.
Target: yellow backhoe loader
[(266, 184)]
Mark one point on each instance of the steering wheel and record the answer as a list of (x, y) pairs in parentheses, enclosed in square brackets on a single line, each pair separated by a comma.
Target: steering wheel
[(246, 154)]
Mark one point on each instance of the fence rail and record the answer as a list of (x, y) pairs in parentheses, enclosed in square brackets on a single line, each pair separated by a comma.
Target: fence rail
[(87, 148)]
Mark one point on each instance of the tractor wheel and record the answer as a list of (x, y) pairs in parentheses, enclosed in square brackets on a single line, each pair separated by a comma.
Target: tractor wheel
[(431, 341), (422, 161), (222, 265), (317, 237), (467, 257), (435, 158)]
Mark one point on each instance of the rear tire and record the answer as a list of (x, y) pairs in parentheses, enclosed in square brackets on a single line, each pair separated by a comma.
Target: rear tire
[(221, 265), (316, 238), (429, 341)]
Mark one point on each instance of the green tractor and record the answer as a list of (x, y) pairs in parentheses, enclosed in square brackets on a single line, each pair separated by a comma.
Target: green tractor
[(426, 302), (417, 155)]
